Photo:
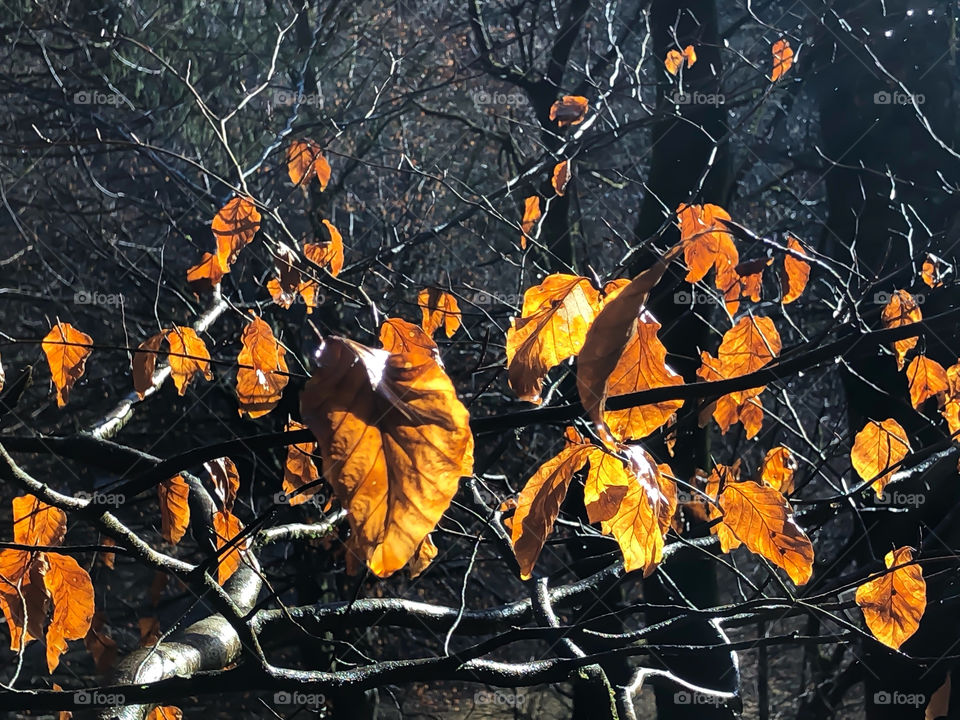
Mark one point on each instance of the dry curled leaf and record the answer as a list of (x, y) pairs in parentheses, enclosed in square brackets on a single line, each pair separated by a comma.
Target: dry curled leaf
[(439, 309), (552, 327), (559, 179), (531, 216), (782, 59), (778, 469), (188, 357), (902, 309), (934, 271), (569, 110), (877, 449), (300, 474), (173, 495), (395, 441), (226, 481), (145, 362), (67, 350), (399, 336), (675, 59), (233, 228), (762, 520), (328, 254), (261, 371), (227, 528), (305, 160), (894, 602), (796, 273)]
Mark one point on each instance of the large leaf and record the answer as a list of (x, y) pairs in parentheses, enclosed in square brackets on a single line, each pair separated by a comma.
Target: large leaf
[(233, 228), (395, 441), (188, 357), (894, 602), (551, 328), (877, 449), (261, 371), (71, 591), (67, 350), (762, 520)]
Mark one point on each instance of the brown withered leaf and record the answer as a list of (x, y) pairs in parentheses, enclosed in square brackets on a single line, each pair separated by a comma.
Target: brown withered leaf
[(894, 602), (188, 357), (439, 309), (174, 495), (299, 470), (902, 309), (149, 631), (71, 592), (539, 504), (227, 527), (399, 336), (67, 350), (933, 271), (762, 519), (226, 481), (796, 273), (552, 327), (877, 449), (100, 645), (304, 160), (327, 254), (145, 362), (165, 712), (559, 179), (261, 371), (569, 110), (782, 59), (778, 469), (927, 378), (395, 441), (531, 216), (233, 228)]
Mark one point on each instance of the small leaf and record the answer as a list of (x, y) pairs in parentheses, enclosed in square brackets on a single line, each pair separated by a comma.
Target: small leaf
[(796, 273), (782, 59), (205, 275), (531, 216), (559, 180), (438, 308), (234, 227), (188, 357), (261, 375), (299, 470), (67, 350), (894, 602), (927, 379), (902, 309), (569, 110), (227, 526), (304, 160), (167, 712), (675, 59), (877, 450), (174, 508), (328, 254), (778, 469), (226, 480), (144, 363), (934, 271)]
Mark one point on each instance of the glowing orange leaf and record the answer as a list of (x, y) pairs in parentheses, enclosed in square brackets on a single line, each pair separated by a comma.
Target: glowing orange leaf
[(559, 180), (707, 243), (261, 375), (796, 273), (328, 254), (145, 362), (188, 357), (782, 59), (300, 474), (927, 379), (67, 350), (675, 58), (227, 527), (438, 308), (778, 469), (205, 275), (894, 602), (569, 110), (531, 216), (234, 227), (933, 271), (173, 495), (304, 160), (877, 449), (399, 336), (902, 309)]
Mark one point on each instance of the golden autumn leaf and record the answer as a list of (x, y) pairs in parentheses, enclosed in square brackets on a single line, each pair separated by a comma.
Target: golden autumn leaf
[(395, 441), (261, 371), (569, 110), (422, 558), (300, 474), (399, 336), (71, 592), (439, 309), (877, 449), (625, 498), (613, 351), (145, 362), (226, 481), (304, 160), (227, 526), (894, 602), (675, 59), (233, 228), (173, 495), (796, 273), (559, 179), (188, 357), (205, 275), (927, 378), (902, 309), (290, 282), (531, 216), (539, 504), (36, 523), (745, 282), (778, 469), (67, 350), (762, 520), (552, 327), (933, 271), (707, 243), (23, 597), (782, 59), (746, 347), (720, 476), (327, 254)]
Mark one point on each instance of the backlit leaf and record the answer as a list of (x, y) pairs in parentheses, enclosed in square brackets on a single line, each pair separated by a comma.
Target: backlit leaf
[(226, 480), (304, 160), (569, 110), (933, 271), (439, 309), (894, 602), (782, 59), (552, 328), (71, 592), (707, 243), (145, 362), (399, 336), (174, 508), (188, 357), (927, 379), (206, 274), (796, 273), (531, 216), (261, 375), (234, 227), (902, 309), (300, 474), (675, 59), (327, 254), (778, 469), (877, 450), (559, 180), (23, 595), (36, 523), (422, 558), (395, 441), (67, 350), (227, 526)]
